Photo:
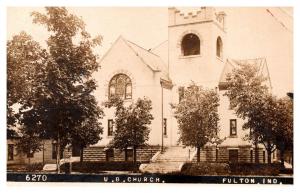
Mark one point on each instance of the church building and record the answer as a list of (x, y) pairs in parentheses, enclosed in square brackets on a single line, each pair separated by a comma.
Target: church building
[(194, 52)]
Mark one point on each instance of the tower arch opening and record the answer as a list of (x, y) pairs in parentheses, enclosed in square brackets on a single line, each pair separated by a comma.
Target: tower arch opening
[(190, 45)]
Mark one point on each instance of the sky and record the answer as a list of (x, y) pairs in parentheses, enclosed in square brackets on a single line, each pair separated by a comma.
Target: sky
[(252, 32)]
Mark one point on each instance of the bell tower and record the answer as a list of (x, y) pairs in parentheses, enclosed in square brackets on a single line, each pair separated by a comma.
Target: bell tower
[(197, 43)]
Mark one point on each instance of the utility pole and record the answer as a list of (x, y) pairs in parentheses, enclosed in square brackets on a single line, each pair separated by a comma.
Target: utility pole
[(162, 117)]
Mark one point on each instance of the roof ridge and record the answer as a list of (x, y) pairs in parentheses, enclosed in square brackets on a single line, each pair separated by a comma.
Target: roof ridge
[(141, 48), (138, 55), (158, 45)]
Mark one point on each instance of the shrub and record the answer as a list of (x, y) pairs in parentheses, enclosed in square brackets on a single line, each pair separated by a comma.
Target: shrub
[(99, 167), (255, 169), (34, 167), (204, 168)]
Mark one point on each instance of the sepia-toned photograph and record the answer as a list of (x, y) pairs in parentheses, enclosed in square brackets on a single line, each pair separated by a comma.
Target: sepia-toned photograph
[(150, 95)]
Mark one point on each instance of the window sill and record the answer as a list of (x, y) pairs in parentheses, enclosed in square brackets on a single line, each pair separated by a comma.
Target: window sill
[(233, 136), (190, 56), (110, 136)]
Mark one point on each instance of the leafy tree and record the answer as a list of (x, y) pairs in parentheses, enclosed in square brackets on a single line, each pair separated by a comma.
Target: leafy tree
[(25, 62), (251, 99), (62, 106), (88, 132), (132, 124), (261, 122), (197, 117), (28, 143), (284, 126), (245, 88)]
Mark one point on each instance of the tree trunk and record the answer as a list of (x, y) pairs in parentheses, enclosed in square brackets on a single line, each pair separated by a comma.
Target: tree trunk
[(126, 159), (135, 169), (269, 152), (43, 152), (81, 155), (58, 154), (217, 153), (282, 157), (134, 155), (198, 154), (256, 152)]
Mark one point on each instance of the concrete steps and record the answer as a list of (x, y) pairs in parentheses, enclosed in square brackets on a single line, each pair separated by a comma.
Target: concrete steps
[(171, 160)]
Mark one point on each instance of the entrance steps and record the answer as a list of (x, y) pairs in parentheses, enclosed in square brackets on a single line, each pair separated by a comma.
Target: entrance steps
[(168, 161)]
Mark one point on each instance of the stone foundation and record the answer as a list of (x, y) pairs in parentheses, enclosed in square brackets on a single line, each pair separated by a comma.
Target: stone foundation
[(102, 154), (209, 154)]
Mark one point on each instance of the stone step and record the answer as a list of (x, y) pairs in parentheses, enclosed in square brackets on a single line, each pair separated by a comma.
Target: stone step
[(171, 160)]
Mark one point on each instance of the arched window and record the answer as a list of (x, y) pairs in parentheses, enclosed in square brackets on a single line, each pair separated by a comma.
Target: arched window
[(190, 45), (219, 47), (120, 85)]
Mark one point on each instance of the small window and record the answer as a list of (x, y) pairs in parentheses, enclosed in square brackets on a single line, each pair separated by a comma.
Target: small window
[(190, 45), (233, 155), (129, 155), (54, 150), (109, 155), (110, 127), (181, 93), (10, 152), (233, 131), (76, 150), (219, 47), (165, 126)]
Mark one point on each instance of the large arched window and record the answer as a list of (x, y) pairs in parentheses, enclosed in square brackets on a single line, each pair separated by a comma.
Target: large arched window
[(190, 45), (120, 86), (219, 47)]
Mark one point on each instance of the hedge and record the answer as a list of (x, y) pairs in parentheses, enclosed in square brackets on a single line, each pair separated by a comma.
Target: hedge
[(205, 168), (243, 169), (261, 169), (99, 167)]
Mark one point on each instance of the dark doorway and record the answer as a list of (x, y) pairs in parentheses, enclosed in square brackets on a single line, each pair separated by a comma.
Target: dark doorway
[(109, 154), (76, 150), (129, 155), (233, 155)]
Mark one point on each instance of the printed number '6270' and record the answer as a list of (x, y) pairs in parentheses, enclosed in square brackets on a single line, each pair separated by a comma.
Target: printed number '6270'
[(36, 178)]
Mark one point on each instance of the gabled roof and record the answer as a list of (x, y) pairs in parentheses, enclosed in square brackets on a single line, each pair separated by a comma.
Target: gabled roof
[(261, 64), (153, 61)]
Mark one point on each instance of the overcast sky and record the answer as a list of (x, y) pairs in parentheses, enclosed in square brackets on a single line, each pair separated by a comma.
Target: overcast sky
[(251, 33)]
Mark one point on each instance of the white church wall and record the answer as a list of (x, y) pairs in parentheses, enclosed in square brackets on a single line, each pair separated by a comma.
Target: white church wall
[(225, 114), (121, 59)]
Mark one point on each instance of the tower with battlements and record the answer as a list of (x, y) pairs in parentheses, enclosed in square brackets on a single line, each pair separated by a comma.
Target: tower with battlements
[(196, 45)]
